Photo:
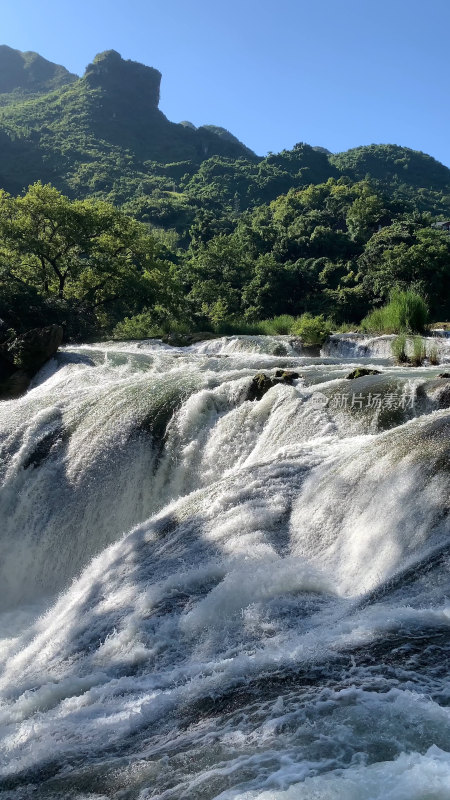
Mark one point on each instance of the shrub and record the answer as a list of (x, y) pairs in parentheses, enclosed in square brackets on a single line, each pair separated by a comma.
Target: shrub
[(399, 349), (145, 326), (141, 326), (406, 312), (419, 351), (240, 327), (281, 325), (417, 347), (312, 330), (433, 355)]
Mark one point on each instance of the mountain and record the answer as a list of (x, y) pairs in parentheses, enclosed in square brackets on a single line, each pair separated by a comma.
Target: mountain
[(99, 129), (236, 235), (26, 74), (392, 164), (103, 135)]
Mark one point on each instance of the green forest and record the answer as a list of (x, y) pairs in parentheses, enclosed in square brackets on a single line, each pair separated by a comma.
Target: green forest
[(116, 222)]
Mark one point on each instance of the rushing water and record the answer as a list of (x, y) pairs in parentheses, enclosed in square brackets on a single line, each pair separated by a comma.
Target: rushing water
[(207, 597)]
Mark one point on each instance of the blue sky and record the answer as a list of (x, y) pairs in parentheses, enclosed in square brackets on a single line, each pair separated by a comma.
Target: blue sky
[(336, 73)]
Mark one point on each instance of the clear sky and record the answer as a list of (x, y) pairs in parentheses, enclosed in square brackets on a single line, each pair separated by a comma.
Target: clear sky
[(336, 73)]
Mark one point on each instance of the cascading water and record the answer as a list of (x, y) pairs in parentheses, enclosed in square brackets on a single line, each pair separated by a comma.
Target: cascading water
[(208, 597)]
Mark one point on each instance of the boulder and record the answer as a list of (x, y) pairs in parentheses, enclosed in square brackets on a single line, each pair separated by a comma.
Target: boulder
[(186, 339), (286, 376), (361, 372), (7, 368), (22, 358), (261, 383), (32, 349), (14, 385)]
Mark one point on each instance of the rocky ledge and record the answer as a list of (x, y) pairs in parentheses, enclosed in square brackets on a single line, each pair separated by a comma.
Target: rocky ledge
[(261, 383), (23, 357)]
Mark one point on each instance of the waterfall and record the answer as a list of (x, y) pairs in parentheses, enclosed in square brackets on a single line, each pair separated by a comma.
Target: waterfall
[(209, 597), (359, 345)]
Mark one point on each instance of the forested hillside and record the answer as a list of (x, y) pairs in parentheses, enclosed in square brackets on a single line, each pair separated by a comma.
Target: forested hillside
[(171, 225)]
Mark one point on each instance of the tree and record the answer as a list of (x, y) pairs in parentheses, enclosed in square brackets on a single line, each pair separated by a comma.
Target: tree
[(409, 253), (85, 252), (217, 272)]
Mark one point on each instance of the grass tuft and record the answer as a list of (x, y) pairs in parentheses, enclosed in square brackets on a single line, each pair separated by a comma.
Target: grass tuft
[(406, 312)]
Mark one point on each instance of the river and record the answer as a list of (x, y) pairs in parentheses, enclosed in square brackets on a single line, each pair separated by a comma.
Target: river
[(204, 597)]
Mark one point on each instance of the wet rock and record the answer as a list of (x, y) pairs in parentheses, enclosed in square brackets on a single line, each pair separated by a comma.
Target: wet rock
[(438, 390), (15, 385), (43, 447), (261, 383), (443, 398), (310, 350), (7, 368), (32, 349), (286, 375), (186, 339), (361, 372), (22, 358)]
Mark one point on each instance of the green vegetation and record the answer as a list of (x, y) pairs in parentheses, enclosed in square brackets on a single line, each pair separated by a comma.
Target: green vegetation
[(433, 355), (413, 350), (135, 226), (399, 349), (281, 325), (151, 324), (406, 312), (24, 75), (419, 351), (312, 330), (82, 262)]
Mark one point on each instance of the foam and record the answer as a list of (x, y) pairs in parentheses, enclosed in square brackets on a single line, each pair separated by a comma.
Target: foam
[(252, 595)]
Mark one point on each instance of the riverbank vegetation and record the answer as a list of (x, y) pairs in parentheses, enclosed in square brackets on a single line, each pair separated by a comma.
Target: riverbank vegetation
[(406, 312), (309, 262)]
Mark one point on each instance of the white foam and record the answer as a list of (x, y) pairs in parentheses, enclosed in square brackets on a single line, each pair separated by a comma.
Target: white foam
[(259, 529), (411, 776)]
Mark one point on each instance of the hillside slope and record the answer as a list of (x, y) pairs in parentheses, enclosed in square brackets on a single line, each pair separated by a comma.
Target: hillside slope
[(86, 134), (28, 74), (104, 135)]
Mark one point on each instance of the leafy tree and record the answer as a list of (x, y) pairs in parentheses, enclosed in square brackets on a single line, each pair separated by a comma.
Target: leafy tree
[(217, 274), (409, 253), (86, 252)]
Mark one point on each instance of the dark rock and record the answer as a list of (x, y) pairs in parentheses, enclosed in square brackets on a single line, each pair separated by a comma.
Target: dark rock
[(286, 375), (360, 372), (32, 349), (43, 447), (15, 385), (6, 367), (23, 358), (443, 398), (261, 383), (279, 350), (186, 339), (310, 350), (116, 75), (437, 390)]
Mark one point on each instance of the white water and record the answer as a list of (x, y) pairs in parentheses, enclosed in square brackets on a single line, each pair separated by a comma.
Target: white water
[(358, 345), (253, 596)]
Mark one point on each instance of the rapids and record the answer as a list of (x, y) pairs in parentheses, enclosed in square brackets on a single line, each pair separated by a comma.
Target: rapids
[(208, 598)]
